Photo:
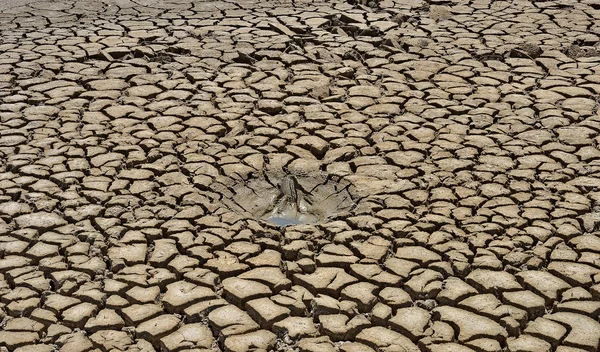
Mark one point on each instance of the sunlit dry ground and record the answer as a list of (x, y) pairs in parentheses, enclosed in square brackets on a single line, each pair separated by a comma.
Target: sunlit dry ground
[(467, 133)]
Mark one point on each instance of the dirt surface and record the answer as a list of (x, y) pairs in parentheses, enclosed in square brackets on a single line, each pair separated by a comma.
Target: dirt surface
[(468, 132)]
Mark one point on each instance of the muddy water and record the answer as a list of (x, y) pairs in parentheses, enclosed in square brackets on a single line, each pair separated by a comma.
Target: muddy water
[(290, 215)]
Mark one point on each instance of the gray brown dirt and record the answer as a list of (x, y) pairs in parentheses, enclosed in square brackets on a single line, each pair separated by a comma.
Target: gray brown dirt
[(467, 133)]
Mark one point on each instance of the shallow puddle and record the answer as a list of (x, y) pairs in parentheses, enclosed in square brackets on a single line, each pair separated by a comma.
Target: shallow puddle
[(284, 221), (290, 217)]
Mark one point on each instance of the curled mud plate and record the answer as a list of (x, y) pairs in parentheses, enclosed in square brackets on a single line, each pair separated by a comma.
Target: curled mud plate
[(320, 198)]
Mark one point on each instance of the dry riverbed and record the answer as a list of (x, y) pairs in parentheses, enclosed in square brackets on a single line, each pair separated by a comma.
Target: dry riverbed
[(447, 157)]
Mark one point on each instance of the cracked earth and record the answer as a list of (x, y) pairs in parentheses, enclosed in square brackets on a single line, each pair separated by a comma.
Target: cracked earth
[(466, 134)]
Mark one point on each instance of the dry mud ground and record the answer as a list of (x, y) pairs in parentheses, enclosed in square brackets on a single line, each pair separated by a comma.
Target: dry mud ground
[(467, 132)]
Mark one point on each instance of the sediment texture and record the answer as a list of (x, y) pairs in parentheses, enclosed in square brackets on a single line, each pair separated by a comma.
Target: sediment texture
[(468, 132)]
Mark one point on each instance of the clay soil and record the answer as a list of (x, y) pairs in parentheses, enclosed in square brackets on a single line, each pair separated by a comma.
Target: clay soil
[(467, 133)]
